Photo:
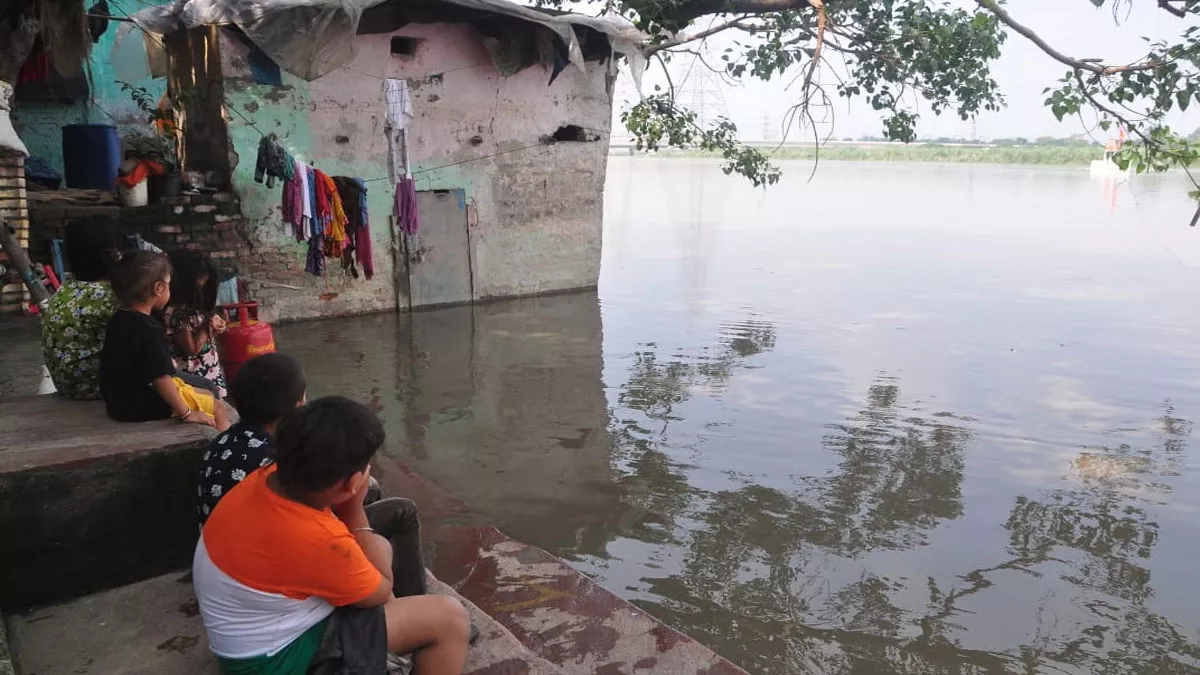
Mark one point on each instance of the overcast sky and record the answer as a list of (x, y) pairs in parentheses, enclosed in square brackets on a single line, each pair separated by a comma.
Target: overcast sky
[(1075, 27)]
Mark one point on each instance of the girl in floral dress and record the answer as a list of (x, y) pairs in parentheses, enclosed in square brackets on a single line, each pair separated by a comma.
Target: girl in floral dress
[(191, 320), (73, 324)]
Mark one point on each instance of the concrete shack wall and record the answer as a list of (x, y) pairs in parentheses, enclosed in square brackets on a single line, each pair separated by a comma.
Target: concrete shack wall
[(536, 211)]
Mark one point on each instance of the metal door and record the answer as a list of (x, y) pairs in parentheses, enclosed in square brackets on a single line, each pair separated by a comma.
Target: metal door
[(439, 255)]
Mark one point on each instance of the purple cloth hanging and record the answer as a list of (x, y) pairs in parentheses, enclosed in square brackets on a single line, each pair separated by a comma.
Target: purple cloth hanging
[(406, 205)]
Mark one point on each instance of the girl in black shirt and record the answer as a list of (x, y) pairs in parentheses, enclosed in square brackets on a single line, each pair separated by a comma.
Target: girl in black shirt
[(137, 376)]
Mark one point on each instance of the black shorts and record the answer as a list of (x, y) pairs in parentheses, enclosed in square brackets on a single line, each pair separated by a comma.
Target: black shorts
[(355, 642)]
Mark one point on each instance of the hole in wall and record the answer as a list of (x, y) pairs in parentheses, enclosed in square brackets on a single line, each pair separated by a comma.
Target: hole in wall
[(404, 46), (571, 133)]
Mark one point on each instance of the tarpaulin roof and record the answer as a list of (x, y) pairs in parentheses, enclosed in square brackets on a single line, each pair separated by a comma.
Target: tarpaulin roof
[(310, 38)]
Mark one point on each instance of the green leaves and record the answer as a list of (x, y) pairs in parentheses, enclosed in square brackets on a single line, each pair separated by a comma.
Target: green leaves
[(656, 122), (905, 56)]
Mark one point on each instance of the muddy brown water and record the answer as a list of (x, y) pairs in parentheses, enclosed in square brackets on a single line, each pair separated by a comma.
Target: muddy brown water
[(901, 419)]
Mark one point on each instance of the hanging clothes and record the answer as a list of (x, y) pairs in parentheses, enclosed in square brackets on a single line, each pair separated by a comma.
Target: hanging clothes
[(399, 104), (97, 20), (406, 205), (293, 201), (353, 192), (335, 228), (323, 210), (314, 263), (304, 173), (273, 161), (362, 239)]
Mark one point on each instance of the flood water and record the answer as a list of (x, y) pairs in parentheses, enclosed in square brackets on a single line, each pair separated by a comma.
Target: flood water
[(901, 419)]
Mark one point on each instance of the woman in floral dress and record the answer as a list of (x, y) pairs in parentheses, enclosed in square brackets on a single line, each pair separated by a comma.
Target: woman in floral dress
[(74, 322), (191, 320)]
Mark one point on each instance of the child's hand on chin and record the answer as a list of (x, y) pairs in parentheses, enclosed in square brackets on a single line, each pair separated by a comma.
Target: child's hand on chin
[(351, 511)]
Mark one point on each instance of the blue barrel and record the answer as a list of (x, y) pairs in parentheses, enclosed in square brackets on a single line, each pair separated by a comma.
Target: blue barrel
[(91, 155)]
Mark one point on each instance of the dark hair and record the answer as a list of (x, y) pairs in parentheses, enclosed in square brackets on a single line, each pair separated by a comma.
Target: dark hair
[(134, 276), (188, 267), (268, 387), (92, 246), (325, 442)]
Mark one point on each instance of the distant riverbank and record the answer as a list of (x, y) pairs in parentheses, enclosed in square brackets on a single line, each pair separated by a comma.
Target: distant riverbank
[(1016, 154)]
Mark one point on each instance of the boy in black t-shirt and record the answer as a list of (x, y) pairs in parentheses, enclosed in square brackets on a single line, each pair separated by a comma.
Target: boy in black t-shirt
[(137, 376)]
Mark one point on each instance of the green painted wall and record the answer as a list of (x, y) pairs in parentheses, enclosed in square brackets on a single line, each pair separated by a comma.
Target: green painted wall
[(40, 124)]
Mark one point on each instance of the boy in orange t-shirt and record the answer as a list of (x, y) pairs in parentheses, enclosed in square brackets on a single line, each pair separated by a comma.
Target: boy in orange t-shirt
[(289, 575)]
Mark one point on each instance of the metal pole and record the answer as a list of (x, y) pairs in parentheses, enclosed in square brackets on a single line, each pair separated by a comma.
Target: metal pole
[(19, 260)]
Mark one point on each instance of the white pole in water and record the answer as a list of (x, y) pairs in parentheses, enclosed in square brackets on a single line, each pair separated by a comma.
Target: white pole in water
[(47, 385)]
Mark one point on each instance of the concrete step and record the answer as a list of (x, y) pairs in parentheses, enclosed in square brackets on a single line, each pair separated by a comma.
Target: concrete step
[(153, 627), (559, 613)]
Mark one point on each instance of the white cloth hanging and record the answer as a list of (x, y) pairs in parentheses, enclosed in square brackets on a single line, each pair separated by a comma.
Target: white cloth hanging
[(399, 104), (306, 208)]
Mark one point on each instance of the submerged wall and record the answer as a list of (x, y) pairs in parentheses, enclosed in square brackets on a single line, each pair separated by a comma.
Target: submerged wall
[(535, 209)]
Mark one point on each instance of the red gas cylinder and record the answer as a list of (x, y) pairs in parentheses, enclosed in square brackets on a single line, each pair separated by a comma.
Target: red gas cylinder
[(245, 338)]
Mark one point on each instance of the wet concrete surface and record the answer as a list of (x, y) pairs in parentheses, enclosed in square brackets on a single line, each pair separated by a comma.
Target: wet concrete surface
[(154, 628), (562, 615)]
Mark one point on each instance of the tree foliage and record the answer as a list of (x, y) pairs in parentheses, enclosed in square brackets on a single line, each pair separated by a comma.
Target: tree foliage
[(904, 56)]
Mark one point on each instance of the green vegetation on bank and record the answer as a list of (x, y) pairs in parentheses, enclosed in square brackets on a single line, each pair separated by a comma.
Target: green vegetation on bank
[(1012, 154)]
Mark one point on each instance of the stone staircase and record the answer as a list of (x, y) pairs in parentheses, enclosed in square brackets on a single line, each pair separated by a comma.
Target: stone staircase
[(91, 538)]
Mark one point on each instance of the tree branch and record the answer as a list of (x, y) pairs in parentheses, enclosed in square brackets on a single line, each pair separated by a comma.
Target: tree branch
[(654, 49), (1076, 64), (698, 8), (1180, 12)]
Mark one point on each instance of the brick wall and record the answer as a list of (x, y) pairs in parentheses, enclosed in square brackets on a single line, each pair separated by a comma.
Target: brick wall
[(208, 223), (13, 206)]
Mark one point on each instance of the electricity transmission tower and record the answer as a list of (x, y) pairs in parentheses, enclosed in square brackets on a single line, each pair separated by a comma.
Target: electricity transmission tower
[(699, 90)]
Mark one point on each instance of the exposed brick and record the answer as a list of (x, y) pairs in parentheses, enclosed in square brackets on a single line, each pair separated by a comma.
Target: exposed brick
[(223, 197), (178, 210), (169, 229), (222, 219), (205, 208)]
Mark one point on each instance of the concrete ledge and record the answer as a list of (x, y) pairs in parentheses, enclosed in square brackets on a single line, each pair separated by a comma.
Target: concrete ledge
[(87, 503), (154, 627), (560, 614), (42, 432)]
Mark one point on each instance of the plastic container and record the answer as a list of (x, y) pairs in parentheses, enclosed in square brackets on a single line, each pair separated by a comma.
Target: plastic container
[(138, 195), (91, 155), (244, 338)]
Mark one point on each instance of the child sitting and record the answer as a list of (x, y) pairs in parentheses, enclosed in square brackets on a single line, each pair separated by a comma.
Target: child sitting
[(137, 377), (292, 579), (191, 319), (266, 388)]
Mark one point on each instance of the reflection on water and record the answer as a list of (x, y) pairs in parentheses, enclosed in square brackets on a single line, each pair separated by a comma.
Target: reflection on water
[(830, 428)]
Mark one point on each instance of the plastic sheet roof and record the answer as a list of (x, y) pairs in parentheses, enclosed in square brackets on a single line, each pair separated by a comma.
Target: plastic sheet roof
[(310, 38)]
